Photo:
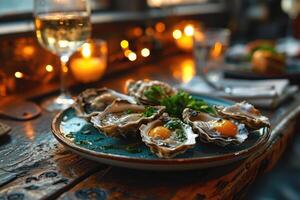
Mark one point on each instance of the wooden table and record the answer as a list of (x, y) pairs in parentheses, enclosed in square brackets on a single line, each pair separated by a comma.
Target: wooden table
[(33, 165)]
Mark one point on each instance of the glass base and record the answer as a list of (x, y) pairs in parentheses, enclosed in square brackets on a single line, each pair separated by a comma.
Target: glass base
[(59, 103)]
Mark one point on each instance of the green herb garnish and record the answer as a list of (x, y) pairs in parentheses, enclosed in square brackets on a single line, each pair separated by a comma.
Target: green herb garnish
[(129, 148), (149, 111), (133, 149), (70, 135), (154, 93), (129, 111), (82, 142), (177, 126), (106, 147), (173, 124), (180, 136), (263, 47), (176, 103)]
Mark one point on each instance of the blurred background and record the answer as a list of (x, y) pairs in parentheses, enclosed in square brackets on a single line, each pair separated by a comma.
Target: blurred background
[(149, 29)]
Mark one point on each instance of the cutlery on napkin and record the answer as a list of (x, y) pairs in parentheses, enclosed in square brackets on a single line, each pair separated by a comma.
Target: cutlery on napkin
[(263, 93)]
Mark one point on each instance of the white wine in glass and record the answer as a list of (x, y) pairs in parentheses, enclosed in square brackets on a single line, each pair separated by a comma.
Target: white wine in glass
[(62, 26)]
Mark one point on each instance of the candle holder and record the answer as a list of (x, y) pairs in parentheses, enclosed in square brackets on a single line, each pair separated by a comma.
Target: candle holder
[(89, 63)]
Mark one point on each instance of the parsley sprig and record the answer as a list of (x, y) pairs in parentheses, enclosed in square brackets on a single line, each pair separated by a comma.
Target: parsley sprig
[(176, 103), (154, 94), (177, 126), (149, 111)]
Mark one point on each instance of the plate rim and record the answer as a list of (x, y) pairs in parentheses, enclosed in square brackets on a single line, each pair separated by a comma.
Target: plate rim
[(55, 129), (237, 71)]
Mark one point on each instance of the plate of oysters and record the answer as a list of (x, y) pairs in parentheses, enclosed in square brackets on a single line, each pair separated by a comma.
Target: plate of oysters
[(154, 126)]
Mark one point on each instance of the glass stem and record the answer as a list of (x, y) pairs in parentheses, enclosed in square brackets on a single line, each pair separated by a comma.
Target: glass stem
[(63, 75)]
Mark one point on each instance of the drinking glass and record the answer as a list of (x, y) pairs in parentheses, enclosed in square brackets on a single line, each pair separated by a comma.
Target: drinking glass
[(292, 8), (62, 26), (209, 48)]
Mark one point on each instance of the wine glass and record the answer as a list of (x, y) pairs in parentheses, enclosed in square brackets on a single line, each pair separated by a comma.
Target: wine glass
[(62, 26)]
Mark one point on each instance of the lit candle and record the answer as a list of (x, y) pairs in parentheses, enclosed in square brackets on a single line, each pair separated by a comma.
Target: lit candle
[(87, 68)]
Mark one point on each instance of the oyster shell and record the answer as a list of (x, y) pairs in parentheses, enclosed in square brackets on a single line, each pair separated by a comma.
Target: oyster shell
[(176, 143), (246, 114), (122, 118), (137, 90), (92, 101), (208, 127)]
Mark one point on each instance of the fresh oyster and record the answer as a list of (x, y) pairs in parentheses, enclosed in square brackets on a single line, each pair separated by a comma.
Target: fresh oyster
[(122, 118), (92, 101), (167, 137), (216, 129), (149, 91), (246, 114)]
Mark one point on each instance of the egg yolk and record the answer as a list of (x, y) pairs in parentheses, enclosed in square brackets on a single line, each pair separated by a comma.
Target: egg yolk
[(226, 128), (160, 132)]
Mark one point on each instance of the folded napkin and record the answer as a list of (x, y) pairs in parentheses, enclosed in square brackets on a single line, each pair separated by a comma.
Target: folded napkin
[(263, 93)]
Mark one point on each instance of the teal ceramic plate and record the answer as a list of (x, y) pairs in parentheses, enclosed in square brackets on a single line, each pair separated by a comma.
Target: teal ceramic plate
[(82, 138)]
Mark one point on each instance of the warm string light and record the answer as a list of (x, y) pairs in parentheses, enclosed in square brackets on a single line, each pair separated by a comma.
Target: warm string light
[(189, 30), (145, 52), (19, 75), (160, 27), (137, 32), (177, 34), (132, 56), (49, 68), (127, 52), (184, 37), (124, 44)]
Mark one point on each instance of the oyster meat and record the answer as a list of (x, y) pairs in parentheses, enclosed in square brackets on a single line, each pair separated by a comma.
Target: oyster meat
[(246, 114), (122, 118), (92, 101), (216, 129), (149, 91), (167, 137)]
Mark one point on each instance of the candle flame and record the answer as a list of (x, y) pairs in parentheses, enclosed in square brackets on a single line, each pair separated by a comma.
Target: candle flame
[(86, 51)]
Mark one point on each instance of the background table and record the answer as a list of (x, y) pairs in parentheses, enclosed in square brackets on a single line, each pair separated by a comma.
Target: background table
[(33, 165)]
